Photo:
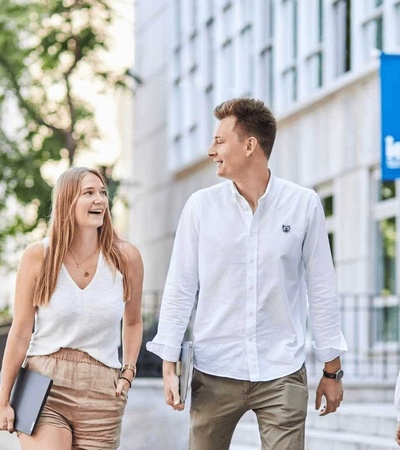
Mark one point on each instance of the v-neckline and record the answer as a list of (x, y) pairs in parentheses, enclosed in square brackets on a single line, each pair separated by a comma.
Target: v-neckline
[(68, 275)]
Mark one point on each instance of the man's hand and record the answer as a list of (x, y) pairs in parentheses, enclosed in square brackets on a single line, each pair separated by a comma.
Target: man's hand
[(171, 386), (398, 434), (332, 390)]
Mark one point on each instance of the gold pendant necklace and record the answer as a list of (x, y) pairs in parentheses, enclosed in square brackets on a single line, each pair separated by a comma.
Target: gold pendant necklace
[(78, 265)]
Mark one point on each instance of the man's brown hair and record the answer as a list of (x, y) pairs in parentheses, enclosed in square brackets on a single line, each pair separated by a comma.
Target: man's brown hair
[(253, 118)]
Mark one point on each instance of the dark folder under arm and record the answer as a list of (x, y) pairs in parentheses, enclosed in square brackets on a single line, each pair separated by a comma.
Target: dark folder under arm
[(28, 397)]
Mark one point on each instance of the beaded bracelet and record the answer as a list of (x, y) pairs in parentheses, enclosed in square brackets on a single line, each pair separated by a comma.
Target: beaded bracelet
[(124, 378)]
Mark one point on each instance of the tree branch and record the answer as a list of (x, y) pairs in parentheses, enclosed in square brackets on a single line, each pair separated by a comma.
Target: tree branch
[(22, 101)]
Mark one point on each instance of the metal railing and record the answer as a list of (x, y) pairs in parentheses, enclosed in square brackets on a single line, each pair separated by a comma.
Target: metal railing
[(370, 323)]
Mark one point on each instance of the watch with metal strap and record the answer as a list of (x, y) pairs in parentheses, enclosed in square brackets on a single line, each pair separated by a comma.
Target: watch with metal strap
[(131, 367), (337, 376)]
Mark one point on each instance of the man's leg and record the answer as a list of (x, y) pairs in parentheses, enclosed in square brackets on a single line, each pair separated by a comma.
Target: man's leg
[(281, 409), (216, 407)]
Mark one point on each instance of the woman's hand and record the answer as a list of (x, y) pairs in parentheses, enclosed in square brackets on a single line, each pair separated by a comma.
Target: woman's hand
[(7, 418), (122, 385)]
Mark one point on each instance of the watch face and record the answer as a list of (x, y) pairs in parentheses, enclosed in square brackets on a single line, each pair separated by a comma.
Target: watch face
[(339, 375)]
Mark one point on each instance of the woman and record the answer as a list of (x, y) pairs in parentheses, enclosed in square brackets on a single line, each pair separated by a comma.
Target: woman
[(74, 288)]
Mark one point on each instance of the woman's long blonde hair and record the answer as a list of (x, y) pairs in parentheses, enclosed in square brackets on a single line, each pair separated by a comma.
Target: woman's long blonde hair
[(61, 233)]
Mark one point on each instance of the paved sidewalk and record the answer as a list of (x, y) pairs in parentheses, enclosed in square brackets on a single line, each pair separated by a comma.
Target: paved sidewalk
[(149, 424)]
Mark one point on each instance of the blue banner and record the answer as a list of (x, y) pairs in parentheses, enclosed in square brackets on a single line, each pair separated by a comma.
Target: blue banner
[(390, 116)]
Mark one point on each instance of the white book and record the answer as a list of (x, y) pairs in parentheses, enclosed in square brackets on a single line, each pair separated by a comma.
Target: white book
[(184, 369)]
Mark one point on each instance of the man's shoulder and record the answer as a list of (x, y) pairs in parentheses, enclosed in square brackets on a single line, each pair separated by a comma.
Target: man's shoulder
[(292, 187), (213, 190)]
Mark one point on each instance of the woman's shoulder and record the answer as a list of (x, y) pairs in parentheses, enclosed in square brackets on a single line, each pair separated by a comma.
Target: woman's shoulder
[(131, 251), (33, 256), (35, 251)]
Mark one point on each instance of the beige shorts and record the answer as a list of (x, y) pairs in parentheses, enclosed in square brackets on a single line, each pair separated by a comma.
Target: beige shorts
[(82, 398)]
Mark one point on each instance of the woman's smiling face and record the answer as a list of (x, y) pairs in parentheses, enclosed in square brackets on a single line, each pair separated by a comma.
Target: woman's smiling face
[(92, 202)]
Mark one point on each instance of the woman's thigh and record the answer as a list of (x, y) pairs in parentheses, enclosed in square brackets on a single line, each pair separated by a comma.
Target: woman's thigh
[(47, 437)]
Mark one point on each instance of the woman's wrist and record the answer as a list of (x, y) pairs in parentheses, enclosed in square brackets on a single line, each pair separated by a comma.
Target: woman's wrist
[(4, 400), (126, 380)]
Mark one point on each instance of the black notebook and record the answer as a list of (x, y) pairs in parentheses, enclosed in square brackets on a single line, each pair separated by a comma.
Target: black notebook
[(28, 397), (185, 368)]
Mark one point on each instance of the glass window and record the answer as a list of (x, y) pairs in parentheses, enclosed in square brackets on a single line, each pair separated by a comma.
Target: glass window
[(386, 190), (387, 256), (327, 203), (289, 73), (373, 31), (246, 7), (195, 14), (177, 66), (267, 77), (228, 62), (373, 28), (194, 53), (398, 21), (247, 73), (177, 106), (268, 20), (314, 71), (227, 18), (210, 52), (314, 38), (290, 85), (266, 67), (178, 21), (290, 17), (209, 128), (342, 30), (387, 324)]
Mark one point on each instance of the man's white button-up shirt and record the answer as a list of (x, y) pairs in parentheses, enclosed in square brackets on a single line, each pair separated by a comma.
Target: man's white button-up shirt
[(256, 276)]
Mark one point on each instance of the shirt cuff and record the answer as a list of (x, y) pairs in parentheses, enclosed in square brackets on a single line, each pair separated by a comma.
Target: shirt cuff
[(330, 353), (165, 352)]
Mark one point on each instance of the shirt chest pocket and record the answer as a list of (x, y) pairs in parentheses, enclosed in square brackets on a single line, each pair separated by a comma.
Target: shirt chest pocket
[(284, 242)]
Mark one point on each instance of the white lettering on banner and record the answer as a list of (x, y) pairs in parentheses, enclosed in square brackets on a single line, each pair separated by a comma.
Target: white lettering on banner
[(392, 152)]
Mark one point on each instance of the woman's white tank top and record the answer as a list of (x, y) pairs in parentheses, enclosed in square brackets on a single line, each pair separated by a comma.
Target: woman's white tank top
[(85, 319)]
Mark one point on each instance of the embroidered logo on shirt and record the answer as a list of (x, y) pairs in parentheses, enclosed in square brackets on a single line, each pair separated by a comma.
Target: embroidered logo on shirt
[(286, 228)]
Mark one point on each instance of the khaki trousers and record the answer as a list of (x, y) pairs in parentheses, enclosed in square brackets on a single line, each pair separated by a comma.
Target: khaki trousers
[(218, 403)]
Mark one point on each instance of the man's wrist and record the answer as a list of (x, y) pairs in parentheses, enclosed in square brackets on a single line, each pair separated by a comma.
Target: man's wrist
[(169, 367), (335, 376), (333, 366)]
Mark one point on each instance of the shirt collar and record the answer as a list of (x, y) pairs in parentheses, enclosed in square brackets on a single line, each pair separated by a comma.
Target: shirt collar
[(237, 196)]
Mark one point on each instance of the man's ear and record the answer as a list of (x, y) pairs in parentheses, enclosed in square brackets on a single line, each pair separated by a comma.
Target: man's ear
[(251, 146)]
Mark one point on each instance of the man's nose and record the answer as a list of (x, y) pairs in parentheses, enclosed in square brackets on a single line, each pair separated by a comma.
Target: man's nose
[(211, 151)]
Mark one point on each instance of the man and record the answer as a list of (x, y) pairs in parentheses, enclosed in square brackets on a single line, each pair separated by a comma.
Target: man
[(253, 249)]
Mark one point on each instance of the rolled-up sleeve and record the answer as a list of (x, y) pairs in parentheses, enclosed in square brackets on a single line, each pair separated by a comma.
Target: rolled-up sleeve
[(328, 340), (180, 288)]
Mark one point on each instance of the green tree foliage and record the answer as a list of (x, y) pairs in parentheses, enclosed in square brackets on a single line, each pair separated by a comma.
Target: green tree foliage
[(47, 47)]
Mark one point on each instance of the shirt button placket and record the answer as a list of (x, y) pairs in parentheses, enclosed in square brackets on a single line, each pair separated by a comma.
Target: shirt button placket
[(251, 317)]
